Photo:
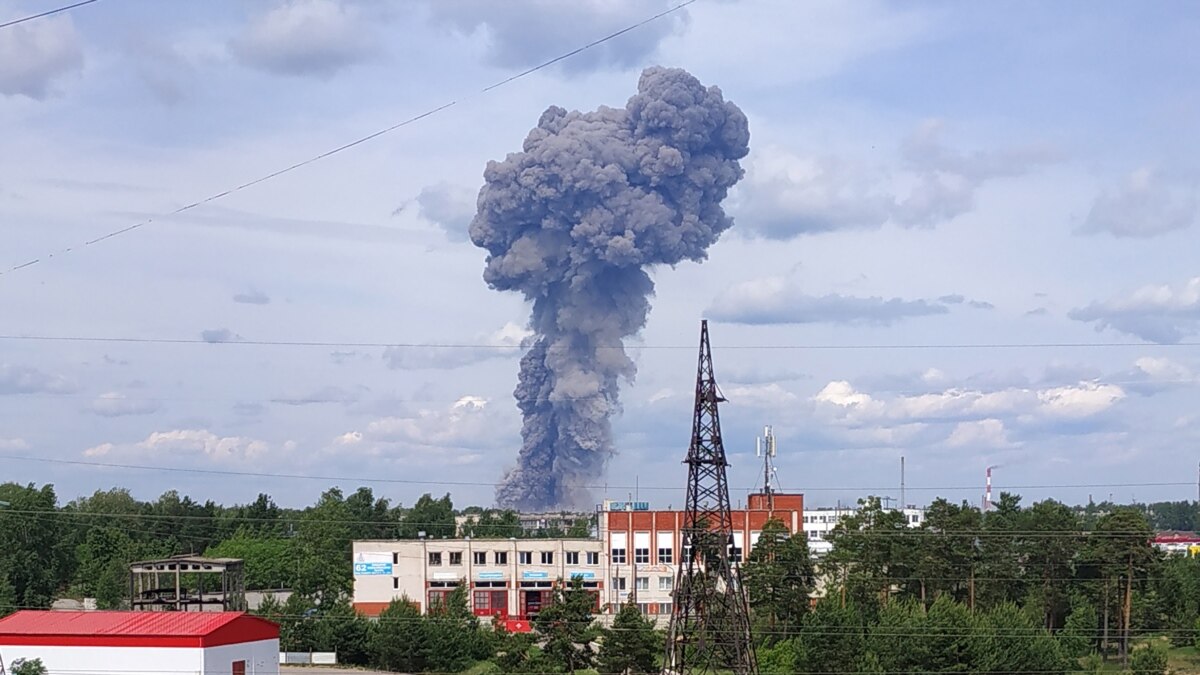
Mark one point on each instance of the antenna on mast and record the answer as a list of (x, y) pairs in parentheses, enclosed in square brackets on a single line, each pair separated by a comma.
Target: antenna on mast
[(764, 446)]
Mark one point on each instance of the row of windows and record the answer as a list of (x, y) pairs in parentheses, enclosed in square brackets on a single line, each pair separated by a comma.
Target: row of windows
[(641, 556), (501, 557), (643, 583)]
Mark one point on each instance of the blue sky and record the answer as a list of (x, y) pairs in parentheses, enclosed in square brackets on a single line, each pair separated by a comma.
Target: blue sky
[(920, 174)]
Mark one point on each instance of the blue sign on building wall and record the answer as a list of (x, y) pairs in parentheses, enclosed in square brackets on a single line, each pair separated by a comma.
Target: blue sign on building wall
[(535, 575), (367, 569)]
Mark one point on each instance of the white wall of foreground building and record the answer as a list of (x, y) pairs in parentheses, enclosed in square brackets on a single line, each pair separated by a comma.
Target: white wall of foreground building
[(261, 658), (89, 660), (819, 522)]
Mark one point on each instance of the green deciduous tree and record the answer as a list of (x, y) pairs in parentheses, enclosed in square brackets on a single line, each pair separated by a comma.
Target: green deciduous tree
[(270, 560), (28, 667), (34, 547), (630, 645), (434, 517)]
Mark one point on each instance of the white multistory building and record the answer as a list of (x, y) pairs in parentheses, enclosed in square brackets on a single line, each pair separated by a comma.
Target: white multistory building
[(819, 522)]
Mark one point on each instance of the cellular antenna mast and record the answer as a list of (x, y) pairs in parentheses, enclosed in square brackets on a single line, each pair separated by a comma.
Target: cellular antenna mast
[(764, 447), (710, 619)]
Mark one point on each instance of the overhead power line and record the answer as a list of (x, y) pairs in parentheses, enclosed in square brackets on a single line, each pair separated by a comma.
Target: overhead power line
[(463, 483), (358, 141), (468, 345), (14, 22)]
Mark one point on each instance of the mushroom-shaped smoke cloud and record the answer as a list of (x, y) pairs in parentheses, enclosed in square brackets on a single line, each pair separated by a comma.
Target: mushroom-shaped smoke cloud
[(573, 221)]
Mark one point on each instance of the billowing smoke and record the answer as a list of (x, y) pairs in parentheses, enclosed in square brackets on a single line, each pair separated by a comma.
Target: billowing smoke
[(573, 221)]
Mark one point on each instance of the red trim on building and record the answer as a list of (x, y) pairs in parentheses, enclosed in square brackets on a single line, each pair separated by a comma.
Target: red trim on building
[(134, 629)]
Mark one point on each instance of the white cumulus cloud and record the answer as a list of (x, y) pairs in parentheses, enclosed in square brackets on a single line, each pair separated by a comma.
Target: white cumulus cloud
[(190, 444), (305, 37), (1156, 313)]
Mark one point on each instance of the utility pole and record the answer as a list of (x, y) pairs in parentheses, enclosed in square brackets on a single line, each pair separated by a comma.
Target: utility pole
[(903, 504), (710, 619)]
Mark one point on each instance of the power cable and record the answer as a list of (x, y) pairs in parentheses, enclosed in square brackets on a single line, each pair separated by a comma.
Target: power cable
[(405, 481), (632, 347), (300, 518), (358, 141), (14, 22)]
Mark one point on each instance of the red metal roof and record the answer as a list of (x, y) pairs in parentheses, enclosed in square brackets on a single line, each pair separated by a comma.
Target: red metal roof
[(161, 629)]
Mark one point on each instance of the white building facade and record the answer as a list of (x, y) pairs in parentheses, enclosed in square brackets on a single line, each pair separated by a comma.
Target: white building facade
[(634, 558), (818, 523)]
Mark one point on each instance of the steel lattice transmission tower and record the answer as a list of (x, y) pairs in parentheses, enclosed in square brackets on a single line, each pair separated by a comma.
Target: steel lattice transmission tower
[(710, 622)]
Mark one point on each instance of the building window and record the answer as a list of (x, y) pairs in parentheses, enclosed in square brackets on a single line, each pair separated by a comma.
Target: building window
[(593, 558), (547, 557), (501, 557), (666, 583), (642, 583), (456, 557), (641, 548), (619, 583), (619, 541), (395, 582), (395, 558), (525, 558), (664, 556), (664, 608), (435, 558), (480, 557), (572, 557), (644, 608), (735, 547)]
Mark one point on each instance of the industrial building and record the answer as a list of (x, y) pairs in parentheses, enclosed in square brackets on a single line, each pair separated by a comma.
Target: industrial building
[(634, 556), (147, 643)]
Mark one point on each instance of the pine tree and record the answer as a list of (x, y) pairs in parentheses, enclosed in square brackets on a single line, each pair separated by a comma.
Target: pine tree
[(566, 627), (1008, 641), (779, 577), (631, 645), (1078, 636), (399, 640), (1150, 660)]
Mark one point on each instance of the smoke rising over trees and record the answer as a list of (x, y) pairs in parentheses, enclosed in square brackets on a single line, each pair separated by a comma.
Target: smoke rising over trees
[(573, 221)]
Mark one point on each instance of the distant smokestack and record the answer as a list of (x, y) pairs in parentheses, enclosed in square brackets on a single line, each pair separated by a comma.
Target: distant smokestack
[(987, 493), (573, 222)]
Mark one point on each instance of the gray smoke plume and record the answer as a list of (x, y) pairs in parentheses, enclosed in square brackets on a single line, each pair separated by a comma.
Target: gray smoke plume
[(573, 221)]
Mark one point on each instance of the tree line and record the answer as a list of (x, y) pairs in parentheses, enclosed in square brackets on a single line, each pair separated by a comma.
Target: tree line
[(1014, 589), (83, 548)]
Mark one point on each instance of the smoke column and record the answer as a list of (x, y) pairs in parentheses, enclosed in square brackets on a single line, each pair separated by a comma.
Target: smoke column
[(573, 221)]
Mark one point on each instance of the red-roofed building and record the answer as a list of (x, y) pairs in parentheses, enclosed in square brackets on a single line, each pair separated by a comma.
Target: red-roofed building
[(148, 643)]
